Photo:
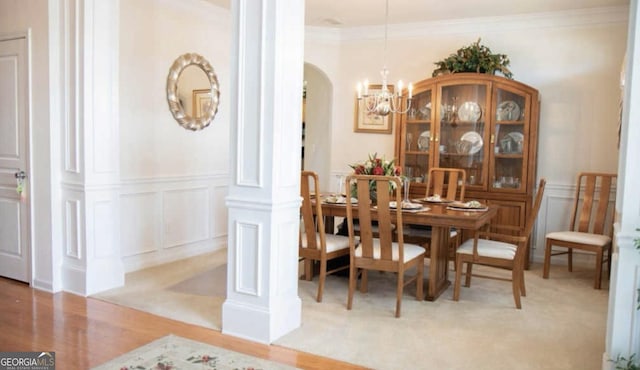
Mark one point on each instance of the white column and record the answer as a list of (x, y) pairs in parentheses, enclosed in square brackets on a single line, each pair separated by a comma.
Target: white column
[(266, 116), (623, 324), (90, 170)]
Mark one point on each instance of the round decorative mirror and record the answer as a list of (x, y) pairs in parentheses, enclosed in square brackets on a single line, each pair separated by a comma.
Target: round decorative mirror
[(193, 92)]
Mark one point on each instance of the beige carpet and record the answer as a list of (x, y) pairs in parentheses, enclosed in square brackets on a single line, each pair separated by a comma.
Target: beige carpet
[(173, 290), (561, 325)]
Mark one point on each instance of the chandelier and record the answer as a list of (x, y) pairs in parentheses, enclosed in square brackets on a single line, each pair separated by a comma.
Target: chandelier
[(384, 101)]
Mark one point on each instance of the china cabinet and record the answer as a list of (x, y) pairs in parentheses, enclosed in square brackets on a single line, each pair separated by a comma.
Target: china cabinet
[(484, 124)]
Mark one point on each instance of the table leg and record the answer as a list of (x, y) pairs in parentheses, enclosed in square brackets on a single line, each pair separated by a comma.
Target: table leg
[(438, 267)]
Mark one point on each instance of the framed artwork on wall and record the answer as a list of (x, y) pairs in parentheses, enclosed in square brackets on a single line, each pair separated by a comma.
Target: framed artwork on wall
[(370, 122), (201, 102)]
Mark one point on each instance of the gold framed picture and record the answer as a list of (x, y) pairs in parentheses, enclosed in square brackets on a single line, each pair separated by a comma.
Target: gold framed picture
[(366, 121), (201, 102)]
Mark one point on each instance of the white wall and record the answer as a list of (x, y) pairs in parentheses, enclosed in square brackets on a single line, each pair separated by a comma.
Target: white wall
[(173, 180), (572, 58)]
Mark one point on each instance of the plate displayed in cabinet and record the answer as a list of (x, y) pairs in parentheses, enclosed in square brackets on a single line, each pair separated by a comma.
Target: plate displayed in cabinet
[(469, 112), (423, 141), (425, 112), (475, 139), (508, 111)]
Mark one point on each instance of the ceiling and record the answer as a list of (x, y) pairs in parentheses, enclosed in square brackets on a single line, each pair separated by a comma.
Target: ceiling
[(354, 13)]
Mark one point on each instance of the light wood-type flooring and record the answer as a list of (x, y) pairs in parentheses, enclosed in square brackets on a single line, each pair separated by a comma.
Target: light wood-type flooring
[(85, 332)]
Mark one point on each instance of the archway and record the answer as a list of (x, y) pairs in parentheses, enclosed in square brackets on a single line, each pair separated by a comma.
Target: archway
[(318, 118)]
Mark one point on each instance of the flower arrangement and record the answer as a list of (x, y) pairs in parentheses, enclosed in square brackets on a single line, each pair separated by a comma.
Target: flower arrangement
[(375, 166)]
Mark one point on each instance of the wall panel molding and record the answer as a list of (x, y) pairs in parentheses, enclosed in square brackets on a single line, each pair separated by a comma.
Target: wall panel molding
[(141, 181), (140, 219), (171, 218), (250, 98), (219, 211), (186, 216), (104, 216), (72, 87), (247, 266), (73, 229)]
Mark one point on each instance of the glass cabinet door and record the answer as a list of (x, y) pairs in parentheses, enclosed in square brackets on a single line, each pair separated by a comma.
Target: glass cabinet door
[(418, 137), (510, 133), (463, 130)]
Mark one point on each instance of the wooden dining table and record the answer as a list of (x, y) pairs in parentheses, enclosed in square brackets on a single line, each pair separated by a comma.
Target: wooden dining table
[(441, 219)]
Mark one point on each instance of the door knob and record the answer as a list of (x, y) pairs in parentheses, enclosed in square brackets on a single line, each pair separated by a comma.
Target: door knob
[(20, 175)]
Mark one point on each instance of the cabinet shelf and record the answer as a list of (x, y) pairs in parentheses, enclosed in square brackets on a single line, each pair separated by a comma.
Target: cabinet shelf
[(509, 156), (417, 152), (462, 123), (447, 154), (419, 121), (510, 123)]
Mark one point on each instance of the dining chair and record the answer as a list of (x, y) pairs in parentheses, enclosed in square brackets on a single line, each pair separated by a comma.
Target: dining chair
[(503, 251), (381, 253), (449, 184), (591, 216), (315, 244)]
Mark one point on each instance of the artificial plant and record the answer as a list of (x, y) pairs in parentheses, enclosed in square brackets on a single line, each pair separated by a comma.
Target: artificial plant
[(474, 58)]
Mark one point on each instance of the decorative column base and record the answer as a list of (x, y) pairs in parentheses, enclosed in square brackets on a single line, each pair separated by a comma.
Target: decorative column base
[(261, 324)]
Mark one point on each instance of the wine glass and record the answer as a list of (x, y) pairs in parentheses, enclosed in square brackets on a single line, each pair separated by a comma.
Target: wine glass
[(408, 171), (409, 140)]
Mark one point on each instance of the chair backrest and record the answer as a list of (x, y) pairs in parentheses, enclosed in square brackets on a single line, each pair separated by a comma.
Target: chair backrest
[(528, 228), (312, 224), (444, 182), (591, 206), (385, 219)]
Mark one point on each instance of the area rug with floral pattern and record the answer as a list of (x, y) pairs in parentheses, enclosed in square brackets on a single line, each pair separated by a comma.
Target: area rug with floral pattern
[(176, 353)]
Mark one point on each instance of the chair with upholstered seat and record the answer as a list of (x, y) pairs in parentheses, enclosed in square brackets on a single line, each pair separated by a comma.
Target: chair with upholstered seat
[(591, 219), (381, 253), (314, 243), (448, 184), (503, 251)]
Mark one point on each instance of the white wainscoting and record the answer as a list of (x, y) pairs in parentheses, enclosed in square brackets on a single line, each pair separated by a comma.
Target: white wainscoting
[(168, 219), (554, 215)]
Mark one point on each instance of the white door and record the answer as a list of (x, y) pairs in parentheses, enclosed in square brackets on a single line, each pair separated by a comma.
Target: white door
[(15, 256)]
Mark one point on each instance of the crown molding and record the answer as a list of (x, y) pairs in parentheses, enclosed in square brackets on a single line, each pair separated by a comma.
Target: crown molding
[(481, 25)]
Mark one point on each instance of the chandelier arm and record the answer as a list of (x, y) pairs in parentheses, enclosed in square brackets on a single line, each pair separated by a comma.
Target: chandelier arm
[(406, 109), (370, 108)]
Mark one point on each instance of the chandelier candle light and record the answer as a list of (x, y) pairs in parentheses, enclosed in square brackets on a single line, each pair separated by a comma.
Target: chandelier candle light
[(384, 101)]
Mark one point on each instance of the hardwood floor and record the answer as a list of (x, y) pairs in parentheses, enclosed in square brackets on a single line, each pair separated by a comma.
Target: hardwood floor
[(86, 332)]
